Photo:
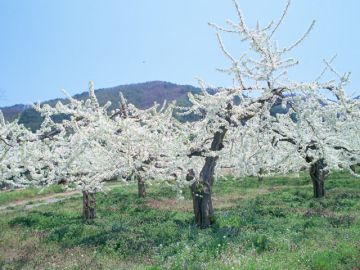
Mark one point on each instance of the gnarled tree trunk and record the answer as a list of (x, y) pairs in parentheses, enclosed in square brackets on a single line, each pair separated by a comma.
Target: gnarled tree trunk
[(141, 187), (319, 173), (201, 191), (89, 205)]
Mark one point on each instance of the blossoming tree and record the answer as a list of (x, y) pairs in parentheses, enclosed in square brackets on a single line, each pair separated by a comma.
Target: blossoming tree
[(23, 160), (260, 79), (324, 134), (96, 146)]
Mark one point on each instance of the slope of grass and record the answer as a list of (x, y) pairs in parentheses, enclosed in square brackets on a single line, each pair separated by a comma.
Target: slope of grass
[(274, 224)]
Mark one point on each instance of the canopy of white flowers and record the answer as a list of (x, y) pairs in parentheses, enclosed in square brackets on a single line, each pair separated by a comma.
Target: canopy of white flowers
[(236, 126)]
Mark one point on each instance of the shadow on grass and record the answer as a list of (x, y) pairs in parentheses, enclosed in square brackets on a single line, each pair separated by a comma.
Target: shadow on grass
[(129, 228)]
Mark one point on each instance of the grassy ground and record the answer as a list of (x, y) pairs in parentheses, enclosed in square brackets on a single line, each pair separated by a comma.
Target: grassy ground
[(275, 224), (28, 193)]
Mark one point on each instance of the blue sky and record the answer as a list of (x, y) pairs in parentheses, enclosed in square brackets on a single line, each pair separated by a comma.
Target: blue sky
[(49, 45)]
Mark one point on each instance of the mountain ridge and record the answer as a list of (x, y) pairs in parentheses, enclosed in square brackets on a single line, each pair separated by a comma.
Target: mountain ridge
[(142, 95)]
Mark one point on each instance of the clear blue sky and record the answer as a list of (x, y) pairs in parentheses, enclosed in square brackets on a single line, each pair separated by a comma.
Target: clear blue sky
[(49, 45)]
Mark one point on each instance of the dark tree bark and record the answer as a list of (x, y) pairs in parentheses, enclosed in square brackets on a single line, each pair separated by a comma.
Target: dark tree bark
[(319, 173), (201, 191), (89, 205), (260, 175), (141, 187), (62, 182)]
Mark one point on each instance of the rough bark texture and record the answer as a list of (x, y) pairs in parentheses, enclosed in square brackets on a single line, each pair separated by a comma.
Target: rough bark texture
[(141, 187), (201, 190), (319, 173), (89, 205)]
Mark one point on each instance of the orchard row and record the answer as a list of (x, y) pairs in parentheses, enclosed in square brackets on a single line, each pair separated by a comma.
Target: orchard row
[(236, 130)]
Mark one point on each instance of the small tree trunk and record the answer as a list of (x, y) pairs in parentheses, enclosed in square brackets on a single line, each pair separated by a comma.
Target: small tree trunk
[(260, 175), (201, 190), (319, 173), (141, 187), (89, 205)]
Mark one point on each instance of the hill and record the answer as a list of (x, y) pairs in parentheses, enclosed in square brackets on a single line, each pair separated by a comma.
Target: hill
[(12, 112), (142, 95)]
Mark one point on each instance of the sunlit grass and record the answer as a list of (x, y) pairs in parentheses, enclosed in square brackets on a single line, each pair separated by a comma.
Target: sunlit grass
[(273, 224)]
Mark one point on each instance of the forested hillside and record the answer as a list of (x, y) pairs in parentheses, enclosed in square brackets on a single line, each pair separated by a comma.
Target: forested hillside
[(142, 95)]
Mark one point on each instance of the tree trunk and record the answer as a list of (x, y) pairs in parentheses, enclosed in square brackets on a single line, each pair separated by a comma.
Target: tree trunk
[(141, 187), (202, 203), (89, 205), (319, 173), (353, 168), (260, 175), (201, 190)]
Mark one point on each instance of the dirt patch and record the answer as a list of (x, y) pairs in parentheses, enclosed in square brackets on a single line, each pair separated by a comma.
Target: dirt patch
[(318, 212), (220, 202), (31, 203), (170, 204)]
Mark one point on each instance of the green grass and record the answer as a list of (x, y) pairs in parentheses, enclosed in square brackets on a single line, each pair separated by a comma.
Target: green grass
[(274, 224)]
